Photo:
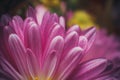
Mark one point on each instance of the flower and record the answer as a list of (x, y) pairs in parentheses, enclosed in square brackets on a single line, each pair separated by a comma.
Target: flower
[(80, 17), (44, 50), (50, 3), (104, 46)]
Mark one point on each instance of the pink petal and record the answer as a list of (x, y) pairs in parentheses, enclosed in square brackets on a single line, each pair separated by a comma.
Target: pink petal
[(107, 78), (5, 76), (26, 28), (50, 22), (83, 42), (90, 35), (10, 69), (50, 65), (56, 18), (18, 52), (90, 32), (90, 69), (17, 24), (7, 31), (57, 30), (27, 23), (31, 13), (53, 51), (56, 45), (45, 20), (62, 22), (70, 62), (71, 40), (34, 39), (74, 28), (33, 64), (40, 11)]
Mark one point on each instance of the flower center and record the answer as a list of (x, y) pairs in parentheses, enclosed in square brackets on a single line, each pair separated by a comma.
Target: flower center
[(43, 78), (36, 78)]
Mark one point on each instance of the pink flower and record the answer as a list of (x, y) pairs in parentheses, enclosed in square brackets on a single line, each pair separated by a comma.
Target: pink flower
[(104, 46), (46, 51)]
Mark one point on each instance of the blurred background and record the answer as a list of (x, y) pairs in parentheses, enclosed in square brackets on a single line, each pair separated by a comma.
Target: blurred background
[(101, 13)]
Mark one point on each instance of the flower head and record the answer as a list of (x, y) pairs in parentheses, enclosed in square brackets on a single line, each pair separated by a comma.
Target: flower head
[(104, 46), (82, 18), (52, 3), (44, 50)]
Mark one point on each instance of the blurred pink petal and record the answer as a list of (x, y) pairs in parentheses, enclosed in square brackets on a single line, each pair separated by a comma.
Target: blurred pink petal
[(40, 11)]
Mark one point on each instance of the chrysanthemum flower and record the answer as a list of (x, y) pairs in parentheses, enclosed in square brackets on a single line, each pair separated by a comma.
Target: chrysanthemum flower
[(44, 50), (106, 46)]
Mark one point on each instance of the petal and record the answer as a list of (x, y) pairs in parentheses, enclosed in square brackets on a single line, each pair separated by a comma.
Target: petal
[(50, 65), (7, 67), (62, 22), (106, 78), (27, 23), (7, 31), (33, 39), (69, 63), (57, 30), (55, 45), (90, 69), (90, 35), (90, 32), (5, 76), (83, 42), (52, 54), (50, 22), (18, 52), (74, 28), (33, 64), (45, 20), (71, 40), (26, 28), (40, 11), (17, 21), (4, 48), (31, 13), (56, 17), (17, 24)]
